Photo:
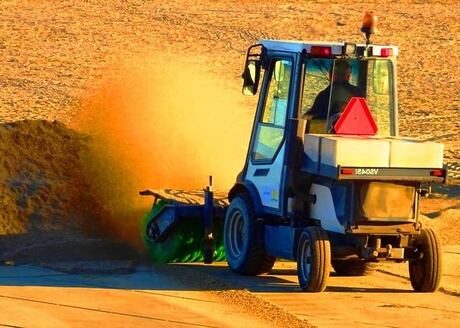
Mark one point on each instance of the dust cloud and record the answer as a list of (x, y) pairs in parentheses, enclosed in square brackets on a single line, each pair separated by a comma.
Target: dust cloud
[(161, 124)]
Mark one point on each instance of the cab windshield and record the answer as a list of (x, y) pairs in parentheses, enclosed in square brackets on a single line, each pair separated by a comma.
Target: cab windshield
[(329, 85)]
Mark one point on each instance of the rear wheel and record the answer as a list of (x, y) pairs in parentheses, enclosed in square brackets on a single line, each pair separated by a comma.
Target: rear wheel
[(353, 267), (244, 239), (313, 259), (425, 271)]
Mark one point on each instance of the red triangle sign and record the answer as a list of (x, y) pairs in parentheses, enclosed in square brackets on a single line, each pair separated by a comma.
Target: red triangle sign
[(356, 119)]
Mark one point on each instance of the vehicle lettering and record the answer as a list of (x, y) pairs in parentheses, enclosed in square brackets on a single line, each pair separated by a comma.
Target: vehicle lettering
[(366, 171)]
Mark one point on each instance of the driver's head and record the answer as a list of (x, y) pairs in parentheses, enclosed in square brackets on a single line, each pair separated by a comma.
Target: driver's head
[(342, 70)]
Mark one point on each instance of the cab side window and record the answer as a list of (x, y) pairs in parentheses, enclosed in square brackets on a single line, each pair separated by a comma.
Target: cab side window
[(379, 94), (270, 129)]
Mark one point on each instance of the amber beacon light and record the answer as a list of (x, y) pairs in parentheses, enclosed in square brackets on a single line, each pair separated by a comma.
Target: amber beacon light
[(369, 26)]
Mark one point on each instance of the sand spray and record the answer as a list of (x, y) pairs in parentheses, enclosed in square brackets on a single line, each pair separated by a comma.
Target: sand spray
[(161, 123)]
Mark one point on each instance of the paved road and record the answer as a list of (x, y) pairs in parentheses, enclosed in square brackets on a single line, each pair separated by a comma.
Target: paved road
[(382, 299), (34, 296)]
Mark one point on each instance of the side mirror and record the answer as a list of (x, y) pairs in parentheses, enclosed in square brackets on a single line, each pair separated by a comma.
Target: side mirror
[(251, 76)]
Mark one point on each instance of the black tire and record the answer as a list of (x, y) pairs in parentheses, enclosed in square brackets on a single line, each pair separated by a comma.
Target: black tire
[(426, 271), (244, 239), (313, 259), (353, 267)]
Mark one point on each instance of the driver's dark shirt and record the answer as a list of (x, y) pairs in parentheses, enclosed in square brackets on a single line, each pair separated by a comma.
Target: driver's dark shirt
[(320, 106)]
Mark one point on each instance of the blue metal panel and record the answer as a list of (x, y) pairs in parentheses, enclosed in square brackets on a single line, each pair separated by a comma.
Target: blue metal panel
[(271, 211), (339, 193), (309, 165), (281, 241), (328, 170), (343, 197), (313, 167), (300, 46)]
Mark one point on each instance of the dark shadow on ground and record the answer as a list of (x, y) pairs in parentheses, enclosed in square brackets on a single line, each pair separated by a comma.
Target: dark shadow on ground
[(60, 260), (61, 246), (156, 278), (451, 190), (339, 289), (435, 214)]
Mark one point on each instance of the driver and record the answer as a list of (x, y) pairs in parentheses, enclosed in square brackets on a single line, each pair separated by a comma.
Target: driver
[(342, 92)]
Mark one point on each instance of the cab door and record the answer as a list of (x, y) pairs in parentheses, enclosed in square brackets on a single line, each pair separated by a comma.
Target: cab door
[(267, 151)]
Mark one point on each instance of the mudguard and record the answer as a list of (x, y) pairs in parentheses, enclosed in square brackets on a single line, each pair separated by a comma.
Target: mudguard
[(248, 188)]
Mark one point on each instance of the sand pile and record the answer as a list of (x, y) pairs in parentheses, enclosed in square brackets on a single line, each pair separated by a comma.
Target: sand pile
[(41, 181), (47, 212), (443, 215)]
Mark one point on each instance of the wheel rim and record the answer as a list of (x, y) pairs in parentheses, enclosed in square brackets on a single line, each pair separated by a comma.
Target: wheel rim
[(237, 234), (305, 260)]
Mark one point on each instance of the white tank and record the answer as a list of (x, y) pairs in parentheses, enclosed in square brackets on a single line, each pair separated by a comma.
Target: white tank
[(365, 151), (409, 152)]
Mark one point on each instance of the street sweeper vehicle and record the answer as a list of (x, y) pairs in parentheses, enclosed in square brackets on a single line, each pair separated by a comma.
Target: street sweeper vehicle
[(327, 181)]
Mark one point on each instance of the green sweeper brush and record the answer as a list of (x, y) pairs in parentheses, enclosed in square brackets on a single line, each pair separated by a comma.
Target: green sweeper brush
[(174, 232)]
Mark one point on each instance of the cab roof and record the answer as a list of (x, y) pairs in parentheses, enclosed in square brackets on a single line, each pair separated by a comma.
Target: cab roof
[(336, 47)]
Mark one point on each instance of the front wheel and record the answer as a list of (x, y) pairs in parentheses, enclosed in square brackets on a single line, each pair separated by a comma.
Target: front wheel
[(425, 271), (244, 240), (313, 259)]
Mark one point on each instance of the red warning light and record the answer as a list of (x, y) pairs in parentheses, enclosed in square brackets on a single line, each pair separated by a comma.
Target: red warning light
[(356, 119), (319, 51), (385, 52), (437, 173), (347, 171)]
